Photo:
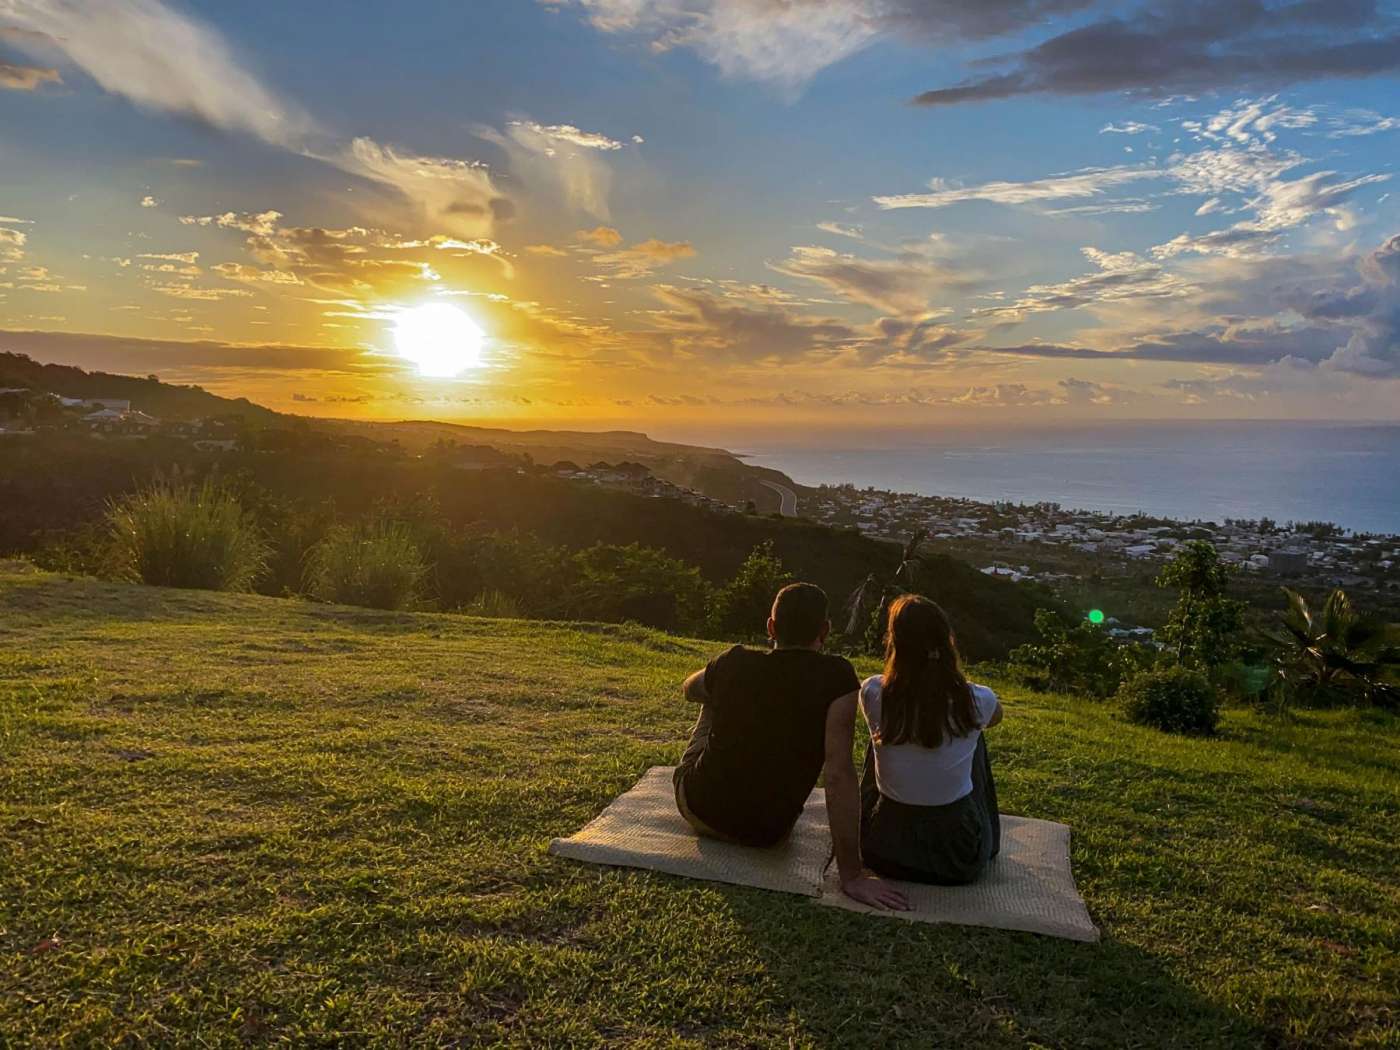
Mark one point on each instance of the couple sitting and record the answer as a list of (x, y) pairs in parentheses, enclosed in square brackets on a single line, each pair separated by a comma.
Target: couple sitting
[(926, 807)]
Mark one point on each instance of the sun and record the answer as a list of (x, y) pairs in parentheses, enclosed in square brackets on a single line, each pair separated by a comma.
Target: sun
[(439, 338)]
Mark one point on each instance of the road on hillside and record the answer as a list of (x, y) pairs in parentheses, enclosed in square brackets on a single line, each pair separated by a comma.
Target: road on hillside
[(789, 498)]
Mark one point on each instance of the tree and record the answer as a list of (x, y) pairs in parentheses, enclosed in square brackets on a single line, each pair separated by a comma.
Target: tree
[(1204, 629), (1336, 653), (740, 608)]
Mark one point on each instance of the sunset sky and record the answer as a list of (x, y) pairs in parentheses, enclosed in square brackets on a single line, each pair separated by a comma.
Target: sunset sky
[(688, 213)]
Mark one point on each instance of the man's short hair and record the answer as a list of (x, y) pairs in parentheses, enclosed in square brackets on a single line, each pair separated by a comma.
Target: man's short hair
[(799, 614)]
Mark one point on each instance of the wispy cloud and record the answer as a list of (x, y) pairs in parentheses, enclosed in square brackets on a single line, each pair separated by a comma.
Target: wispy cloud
[(1089, 182), (1120, 276), (163, 60), (562, 157), (26, 78), (643, 259), (159, 59), (902, 286)]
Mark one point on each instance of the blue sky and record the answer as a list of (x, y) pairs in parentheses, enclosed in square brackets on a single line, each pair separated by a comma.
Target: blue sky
[(715, 211)]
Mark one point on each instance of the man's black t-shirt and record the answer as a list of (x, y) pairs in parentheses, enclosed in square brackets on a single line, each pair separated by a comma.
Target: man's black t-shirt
[(767, 739)]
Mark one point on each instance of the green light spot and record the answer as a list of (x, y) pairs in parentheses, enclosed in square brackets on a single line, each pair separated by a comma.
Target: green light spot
[(1096, 616)]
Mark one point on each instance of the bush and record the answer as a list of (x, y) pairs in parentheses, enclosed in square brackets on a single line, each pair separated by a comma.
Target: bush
[(642, 584), (181, 536), (1173, 699), (375, 564), (1082, 659)]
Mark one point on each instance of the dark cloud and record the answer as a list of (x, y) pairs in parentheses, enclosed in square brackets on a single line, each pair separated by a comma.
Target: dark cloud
[(111, 353), (1192, 45), (718, 326)]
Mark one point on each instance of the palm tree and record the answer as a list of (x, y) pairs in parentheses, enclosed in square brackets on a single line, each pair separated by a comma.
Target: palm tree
[(1336, 652)]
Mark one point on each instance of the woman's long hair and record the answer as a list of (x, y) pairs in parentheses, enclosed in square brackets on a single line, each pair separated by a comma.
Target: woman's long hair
[(925, 697)]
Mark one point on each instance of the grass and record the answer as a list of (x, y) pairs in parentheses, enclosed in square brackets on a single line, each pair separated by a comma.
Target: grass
[(229, 820)]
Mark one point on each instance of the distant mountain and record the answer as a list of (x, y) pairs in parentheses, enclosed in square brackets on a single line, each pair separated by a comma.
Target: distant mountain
[(713, 471), (149, 395)]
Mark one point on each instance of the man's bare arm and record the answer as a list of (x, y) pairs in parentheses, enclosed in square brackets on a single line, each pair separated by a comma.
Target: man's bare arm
[(843, 811), (694, 688)]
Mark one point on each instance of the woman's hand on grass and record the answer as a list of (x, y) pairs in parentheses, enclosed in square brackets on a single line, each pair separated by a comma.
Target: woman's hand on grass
[(869, 888)]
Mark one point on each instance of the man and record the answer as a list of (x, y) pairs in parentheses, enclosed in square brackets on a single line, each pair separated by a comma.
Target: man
[(770, 723)]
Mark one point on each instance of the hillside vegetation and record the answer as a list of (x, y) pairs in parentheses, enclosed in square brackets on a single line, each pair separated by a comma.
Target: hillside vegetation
[(230, 820)]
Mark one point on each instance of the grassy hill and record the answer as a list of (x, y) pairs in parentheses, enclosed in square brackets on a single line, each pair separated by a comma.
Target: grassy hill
[(234, 820)]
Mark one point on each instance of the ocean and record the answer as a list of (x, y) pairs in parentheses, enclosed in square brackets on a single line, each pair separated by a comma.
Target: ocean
[(1343, 473)]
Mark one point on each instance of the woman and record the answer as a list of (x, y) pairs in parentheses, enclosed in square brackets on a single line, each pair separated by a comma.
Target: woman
[(929, 806)]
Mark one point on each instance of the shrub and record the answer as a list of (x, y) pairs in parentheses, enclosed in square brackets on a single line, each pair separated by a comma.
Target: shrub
[(180, 536), (535, 577), (375, 564), (1082, 659), (616, 584), (1173, 699)]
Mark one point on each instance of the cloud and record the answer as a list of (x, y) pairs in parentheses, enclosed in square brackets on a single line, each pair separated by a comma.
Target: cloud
[(163, 60), (158, 59), (149, 202), (126, 355), (1360, 122), (644, 258), (1373, 348), (1089, 182), (786, 42), (1121, 276), (188, 258), (841, 229), (603, 236), (1127, 127), (1125, 206), (1003, 395), (456, 195), (351, 261), (1251, 122), (900, 286), (562, 157), (1184, 46), (1171, 47), (1086, 392), (699, 322), (12, 243), (240, 272), (567, 133), (26, 78), (783, 43), (1278, 203)]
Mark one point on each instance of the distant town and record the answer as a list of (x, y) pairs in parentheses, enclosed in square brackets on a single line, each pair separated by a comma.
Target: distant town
[(1320, 551)]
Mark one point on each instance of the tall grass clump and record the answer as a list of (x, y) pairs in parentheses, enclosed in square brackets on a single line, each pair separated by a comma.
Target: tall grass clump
[(495, 604), (376, 564), (170, 535)]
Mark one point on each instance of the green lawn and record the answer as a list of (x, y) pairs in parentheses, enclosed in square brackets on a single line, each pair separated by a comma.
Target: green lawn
[(236, 820)]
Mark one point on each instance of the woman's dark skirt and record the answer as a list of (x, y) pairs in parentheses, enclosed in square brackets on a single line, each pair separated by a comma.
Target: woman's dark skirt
[(945, 845)]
